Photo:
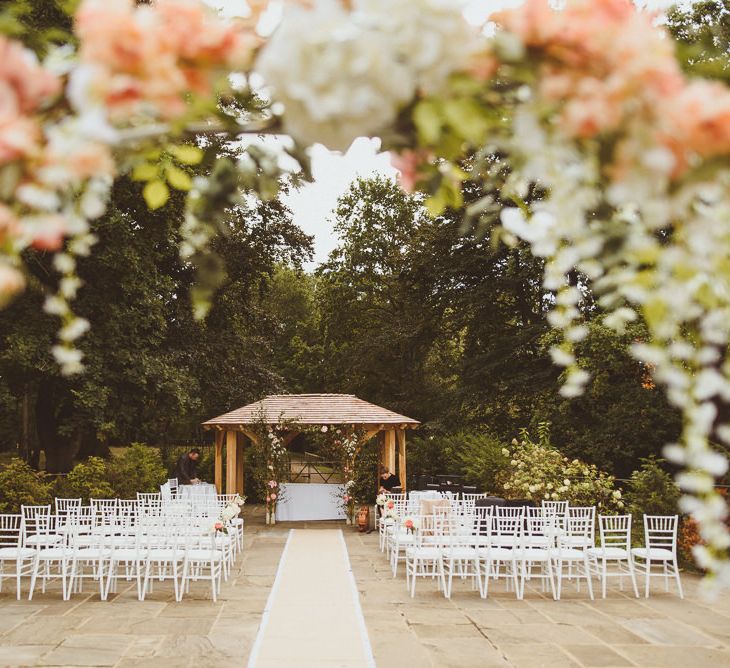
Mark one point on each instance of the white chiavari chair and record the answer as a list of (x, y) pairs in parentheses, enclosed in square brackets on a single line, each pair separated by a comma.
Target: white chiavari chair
[(660, 549), (39, 526), (202, 560), (507, 528), (423, 558), (572, 547), (615, 548), (459, 552), (498, 559), (16, 560), (533, 551)]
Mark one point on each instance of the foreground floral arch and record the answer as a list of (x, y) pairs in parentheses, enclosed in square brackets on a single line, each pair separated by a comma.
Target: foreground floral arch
[(594, 148)]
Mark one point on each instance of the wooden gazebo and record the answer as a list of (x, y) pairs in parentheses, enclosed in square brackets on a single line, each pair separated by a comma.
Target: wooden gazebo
[(235, 428)]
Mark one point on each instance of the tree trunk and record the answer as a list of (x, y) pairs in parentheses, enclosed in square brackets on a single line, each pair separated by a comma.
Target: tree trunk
[(59, 448)]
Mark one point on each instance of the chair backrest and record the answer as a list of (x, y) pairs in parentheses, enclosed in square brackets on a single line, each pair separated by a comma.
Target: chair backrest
[(483, 518), (470, 496), (615, 531), (580, 529), (539, 530), (173, 483), (507, 525), (583, 512), (10, 530), (63, 506), (510, 511), (555, 507), (105, 508), (660, 532)]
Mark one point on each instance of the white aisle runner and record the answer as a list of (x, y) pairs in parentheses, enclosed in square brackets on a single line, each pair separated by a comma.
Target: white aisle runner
[(313, 615)]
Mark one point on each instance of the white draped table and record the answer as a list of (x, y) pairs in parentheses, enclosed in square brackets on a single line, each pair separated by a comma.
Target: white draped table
[(201, 490), (310, 501)]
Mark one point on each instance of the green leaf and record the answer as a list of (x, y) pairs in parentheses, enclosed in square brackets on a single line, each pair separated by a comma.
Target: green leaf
[(156, 193), (427, 117), (186, 154), (145, 171), (178, 178), (467, 118)]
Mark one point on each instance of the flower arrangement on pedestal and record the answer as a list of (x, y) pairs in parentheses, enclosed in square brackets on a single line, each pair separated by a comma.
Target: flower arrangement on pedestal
[(348, 501), (273, 494)]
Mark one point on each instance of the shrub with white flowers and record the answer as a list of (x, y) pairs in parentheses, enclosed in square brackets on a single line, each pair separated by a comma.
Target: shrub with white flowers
[(539, 472)]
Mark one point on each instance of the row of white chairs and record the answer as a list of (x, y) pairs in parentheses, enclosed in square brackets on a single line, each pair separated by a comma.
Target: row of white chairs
[(515, 542), (140, 540)]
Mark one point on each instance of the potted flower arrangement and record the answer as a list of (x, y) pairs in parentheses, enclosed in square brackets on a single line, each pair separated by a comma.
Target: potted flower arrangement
[(272, 497)]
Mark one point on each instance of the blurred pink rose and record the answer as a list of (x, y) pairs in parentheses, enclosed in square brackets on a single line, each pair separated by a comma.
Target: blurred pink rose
[(149, 57), (407, 163), (699, 120), (47, 232)]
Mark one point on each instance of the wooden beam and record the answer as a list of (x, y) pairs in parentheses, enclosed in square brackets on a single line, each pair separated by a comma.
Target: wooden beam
[(289, 437), (231, 452), (219, 461), (390, 450), (400, 436), (249, 434), (240, 462), (381, 459)]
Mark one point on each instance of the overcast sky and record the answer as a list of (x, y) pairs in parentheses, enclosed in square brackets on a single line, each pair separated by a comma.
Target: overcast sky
[(313, 203)]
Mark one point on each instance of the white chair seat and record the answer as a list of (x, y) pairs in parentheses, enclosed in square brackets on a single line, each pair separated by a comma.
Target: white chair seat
[(43, 539), (608, 552), (505, 541), (532, 554), (567, 554), (125, 554), (92, 553), (16, 553), (204, 555), (496, 553), (53, 553), (423, 553), (574, 541), (460, 553), (653, 553)]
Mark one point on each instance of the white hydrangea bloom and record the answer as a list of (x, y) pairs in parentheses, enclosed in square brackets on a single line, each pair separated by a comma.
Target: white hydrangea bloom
[(337, 80)]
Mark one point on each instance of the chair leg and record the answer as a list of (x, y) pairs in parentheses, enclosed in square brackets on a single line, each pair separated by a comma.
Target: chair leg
[(589, 578), (647, 565), (633, 576), (678, 579)]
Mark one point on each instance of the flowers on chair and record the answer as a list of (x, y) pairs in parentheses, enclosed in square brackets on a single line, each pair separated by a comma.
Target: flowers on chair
[(411, 524), (381, 500)]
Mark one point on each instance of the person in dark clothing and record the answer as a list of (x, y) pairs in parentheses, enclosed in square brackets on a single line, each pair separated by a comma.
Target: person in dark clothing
[(388, 481), (186, 469)]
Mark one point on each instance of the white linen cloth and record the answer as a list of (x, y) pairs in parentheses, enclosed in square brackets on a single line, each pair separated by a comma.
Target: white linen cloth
[(201, 490), (416, 495), (310, 501)]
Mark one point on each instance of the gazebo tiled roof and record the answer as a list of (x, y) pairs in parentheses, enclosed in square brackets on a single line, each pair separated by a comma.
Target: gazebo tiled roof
[(312, 409)]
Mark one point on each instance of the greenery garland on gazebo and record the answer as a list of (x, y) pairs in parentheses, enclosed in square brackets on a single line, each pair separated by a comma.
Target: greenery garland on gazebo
[(270, 465)]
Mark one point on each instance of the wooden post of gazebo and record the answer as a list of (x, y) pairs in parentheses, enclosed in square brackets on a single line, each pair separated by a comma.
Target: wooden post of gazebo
[(402, 471)]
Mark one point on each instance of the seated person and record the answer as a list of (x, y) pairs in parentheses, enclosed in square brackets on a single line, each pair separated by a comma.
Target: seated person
[(388, 481), (186, 469)]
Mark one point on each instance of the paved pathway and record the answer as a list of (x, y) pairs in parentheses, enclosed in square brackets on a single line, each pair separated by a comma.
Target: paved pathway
[(313, 616)]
